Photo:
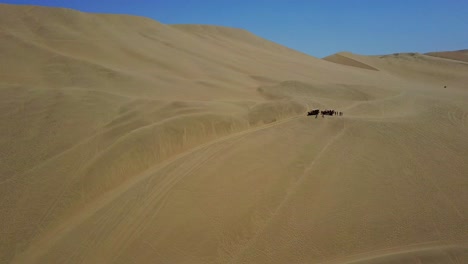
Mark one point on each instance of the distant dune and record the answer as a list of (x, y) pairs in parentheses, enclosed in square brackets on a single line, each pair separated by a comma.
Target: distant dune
[(460, 55), (124, 140), (409, 66)]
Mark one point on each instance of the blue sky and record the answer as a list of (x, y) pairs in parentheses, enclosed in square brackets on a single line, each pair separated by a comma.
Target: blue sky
[(318, 28)]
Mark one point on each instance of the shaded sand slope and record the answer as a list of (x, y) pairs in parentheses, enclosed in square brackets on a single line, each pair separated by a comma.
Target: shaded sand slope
[(124, 140), (344, 58)]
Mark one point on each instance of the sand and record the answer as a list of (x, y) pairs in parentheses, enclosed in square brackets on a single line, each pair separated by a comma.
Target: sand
[(124, 140), (458, 55)]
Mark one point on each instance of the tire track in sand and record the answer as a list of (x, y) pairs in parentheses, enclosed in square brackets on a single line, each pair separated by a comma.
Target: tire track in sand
[(289, 194), (49, 239), (406, 250)]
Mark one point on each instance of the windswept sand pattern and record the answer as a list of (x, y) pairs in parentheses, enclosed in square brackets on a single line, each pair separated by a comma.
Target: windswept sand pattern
[(124, 140)]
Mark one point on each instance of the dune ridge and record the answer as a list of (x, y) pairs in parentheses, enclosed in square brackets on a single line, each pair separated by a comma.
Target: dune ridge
[(125, 140)]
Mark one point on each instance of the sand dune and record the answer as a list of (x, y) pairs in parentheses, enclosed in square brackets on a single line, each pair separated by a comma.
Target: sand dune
[(415, 67), (459, 55), (124, 140)]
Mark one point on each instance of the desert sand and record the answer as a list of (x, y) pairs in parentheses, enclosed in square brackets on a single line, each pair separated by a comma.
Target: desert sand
[(124, 140)]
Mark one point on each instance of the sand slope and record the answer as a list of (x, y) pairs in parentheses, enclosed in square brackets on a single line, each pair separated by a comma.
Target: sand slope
[(124, 140), (345, 59)]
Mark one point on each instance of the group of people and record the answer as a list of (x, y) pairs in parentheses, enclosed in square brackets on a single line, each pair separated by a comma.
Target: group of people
[(316, 112), (330, 112)]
